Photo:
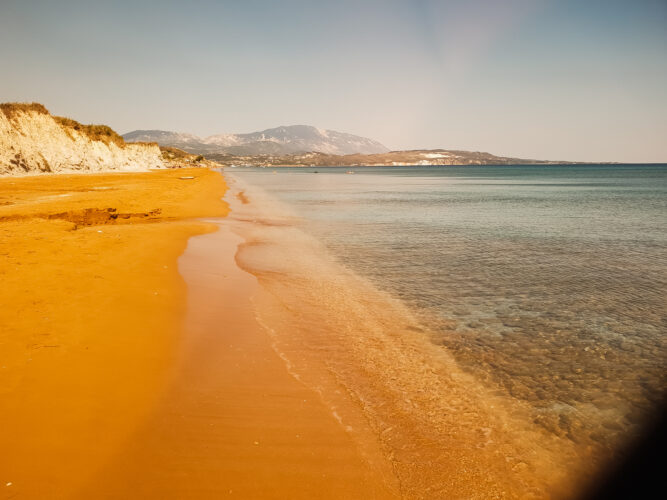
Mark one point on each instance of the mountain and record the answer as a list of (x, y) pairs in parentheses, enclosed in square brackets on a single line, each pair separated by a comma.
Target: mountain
[(164, 138), (274, 141)]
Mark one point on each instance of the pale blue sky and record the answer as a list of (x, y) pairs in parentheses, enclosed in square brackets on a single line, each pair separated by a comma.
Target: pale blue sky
[(548, 79)]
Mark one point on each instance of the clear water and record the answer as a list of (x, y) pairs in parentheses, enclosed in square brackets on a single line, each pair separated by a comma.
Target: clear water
[(546, 282)]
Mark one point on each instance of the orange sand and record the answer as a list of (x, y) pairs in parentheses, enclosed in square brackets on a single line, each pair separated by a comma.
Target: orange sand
[(116, 383), (90, 314), (234, 422)]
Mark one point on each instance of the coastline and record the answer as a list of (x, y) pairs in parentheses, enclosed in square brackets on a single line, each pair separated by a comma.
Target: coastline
[(443, 432), (234, 421), (133, 362), (257, 366)]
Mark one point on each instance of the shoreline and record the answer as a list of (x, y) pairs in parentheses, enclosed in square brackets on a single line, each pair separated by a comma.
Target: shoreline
[(259, 367), (444, 433), (133, 388), (234, 421)]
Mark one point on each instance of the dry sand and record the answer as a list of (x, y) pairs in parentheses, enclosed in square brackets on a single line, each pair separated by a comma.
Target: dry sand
[(91, 309), (115, 383)]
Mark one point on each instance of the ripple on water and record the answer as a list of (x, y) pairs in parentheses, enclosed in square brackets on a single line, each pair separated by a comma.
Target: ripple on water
[(546, 284)]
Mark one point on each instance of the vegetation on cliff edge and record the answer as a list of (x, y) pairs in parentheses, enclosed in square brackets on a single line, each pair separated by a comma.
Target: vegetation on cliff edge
[(101, 133), (11, 109)]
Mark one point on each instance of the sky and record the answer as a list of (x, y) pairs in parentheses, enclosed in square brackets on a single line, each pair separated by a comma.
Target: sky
[(546, 79)]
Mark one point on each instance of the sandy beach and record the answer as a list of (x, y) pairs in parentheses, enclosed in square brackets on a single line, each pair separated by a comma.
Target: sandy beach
[(159, 342), (92, 307), (332, 250), (128, 373), (233, 421)]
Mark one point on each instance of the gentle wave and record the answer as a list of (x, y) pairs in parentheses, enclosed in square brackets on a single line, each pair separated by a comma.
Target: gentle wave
[(546, 283), (446, 433)]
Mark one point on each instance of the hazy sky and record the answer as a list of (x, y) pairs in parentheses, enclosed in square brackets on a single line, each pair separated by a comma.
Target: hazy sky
[(548, 79)]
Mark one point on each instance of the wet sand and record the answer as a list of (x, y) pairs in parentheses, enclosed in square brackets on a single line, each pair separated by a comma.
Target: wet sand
[(444, 432), (234, 422)]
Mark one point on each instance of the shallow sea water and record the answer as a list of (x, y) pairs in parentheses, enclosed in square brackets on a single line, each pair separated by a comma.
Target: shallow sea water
[(548, 283)]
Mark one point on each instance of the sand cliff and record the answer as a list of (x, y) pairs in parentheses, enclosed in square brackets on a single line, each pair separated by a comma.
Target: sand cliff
[(32, 141)]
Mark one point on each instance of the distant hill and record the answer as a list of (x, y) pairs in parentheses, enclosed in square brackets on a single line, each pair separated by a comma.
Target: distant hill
[(391, 158), (274, 141)]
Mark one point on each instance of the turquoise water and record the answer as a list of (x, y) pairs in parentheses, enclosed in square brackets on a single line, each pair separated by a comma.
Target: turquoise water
[(546, 282)]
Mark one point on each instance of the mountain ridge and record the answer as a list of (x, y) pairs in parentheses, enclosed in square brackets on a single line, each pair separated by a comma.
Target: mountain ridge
[(282, 140)]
